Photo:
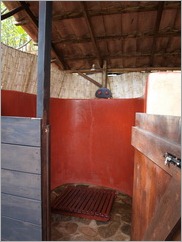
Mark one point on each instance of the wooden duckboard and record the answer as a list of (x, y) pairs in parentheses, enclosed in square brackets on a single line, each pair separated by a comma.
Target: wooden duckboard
[(84, 202)]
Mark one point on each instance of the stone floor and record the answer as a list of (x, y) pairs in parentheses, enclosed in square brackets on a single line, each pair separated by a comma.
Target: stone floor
[(118, 228)]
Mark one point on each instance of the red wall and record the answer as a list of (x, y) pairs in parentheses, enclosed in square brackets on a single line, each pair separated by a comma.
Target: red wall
[(18, 104), (90, 139)]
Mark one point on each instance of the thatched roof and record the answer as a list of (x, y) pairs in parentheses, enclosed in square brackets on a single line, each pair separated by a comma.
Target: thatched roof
[(128, 35)]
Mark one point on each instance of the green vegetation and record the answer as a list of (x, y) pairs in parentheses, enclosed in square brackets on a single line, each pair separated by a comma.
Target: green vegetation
[(13, 35)]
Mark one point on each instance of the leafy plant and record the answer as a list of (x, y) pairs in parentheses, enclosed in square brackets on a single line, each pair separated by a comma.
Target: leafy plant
[(13, 35)]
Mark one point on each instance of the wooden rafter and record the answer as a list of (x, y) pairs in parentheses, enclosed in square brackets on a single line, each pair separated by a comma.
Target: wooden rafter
[(124, 55), (12, 12), (60, 61), (125, 70), (29, 12), (118, 10), (178, 12), (157, 26), (90, 79), (118, 37), (89, 25), (66, 58)]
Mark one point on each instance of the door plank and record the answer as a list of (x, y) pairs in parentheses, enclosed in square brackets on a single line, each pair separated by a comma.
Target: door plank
[(165, 126), (16, 230), (21, 158), (150, 184), (20, 208), (154, 147), (21, 184), (165, 217), (22, 131)]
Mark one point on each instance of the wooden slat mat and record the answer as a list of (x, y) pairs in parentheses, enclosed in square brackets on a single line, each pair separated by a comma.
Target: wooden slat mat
[(85, 202)]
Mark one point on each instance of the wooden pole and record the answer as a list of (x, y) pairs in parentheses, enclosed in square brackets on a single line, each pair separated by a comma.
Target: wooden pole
[(43, 102), (44, 60), (104, 74)]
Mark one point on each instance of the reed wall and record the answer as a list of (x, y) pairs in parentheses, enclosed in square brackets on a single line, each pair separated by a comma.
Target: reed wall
[(19, 73)]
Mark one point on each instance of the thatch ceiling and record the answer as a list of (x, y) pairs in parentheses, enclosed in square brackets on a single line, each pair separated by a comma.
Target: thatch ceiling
[(127, 35)]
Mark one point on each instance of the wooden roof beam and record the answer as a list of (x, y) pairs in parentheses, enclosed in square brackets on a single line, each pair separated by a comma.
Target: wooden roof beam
[(178, 13), (125, 55), (170, 33), (157, 26), (89, 24), (12, 12), (126, 70), (90, 79), (60, 61), (29, 13), (118, 10)]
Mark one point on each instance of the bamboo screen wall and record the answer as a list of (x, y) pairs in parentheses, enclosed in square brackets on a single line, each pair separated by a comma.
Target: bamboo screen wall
[(19, 73)]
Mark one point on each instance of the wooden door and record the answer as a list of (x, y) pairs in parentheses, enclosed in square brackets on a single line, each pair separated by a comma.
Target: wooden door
[(156, 211), (21, 190)]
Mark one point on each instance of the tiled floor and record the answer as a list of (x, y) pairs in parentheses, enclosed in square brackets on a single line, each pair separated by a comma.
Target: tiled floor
[(118, 228)]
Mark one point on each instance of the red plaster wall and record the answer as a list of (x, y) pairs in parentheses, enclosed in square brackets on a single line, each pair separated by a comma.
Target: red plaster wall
[(90, 139), (18, 104)]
